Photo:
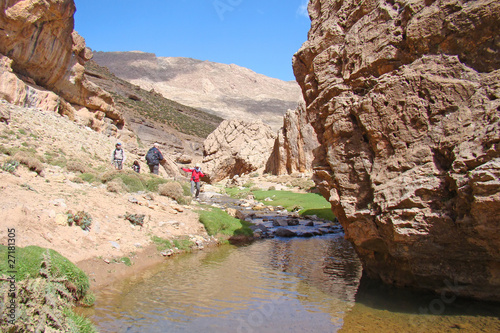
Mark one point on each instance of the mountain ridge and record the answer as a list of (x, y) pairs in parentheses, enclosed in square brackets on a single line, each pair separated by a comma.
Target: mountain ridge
[(229, 91)]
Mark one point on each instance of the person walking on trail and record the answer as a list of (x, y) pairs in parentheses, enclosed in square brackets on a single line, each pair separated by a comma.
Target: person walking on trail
[(118, 157), (153, 158), (195, 179)]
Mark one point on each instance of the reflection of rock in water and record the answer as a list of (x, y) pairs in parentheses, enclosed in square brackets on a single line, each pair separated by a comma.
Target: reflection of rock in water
[(385, 308), (330, 265)]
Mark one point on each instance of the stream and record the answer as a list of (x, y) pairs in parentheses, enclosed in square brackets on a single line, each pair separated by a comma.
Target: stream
[(311, 283)]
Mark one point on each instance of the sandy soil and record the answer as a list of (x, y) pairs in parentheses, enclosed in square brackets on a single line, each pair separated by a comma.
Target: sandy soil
[(36, 206)]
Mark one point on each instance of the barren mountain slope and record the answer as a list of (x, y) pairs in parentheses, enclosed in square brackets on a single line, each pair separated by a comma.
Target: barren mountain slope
[(230, 91)]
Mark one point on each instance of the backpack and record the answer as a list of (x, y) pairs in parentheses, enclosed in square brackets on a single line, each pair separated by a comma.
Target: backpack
[(151, 157)]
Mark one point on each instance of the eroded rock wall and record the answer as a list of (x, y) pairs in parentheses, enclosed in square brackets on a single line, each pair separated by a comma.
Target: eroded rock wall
[(237, 147), (404, 97), (294, 145), (42, 59)]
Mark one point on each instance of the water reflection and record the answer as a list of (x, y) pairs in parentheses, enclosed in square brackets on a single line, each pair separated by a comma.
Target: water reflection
[(279, 285), (272, 285)]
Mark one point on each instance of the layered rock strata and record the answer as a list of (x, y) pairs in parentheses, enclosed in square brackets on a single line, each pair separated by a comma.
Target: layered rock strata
[(42, 58), (294, 145), (404, 97), (237, 147)]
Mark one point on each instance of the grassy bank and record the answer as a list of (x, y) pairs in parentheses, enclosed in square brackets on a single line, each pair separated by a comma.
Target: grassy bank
[(303, 203), (218, 223), (47, 286)]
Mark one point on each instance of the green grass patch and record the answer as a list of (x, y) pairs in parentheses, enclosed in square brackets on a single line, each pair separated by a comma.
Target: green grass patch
[(161, 243), (153, 183), (218, 222), (88, 177), (28, 263), (126, 261), (183, 244), (235, 192), (309, 203), (82, 324)]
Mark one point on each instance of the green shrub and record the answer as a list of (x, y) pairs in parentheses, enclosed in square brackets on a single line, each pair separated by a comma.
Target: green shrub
[(88, 177), (153, 183), (131, 180), (10, 166), (81, 219)]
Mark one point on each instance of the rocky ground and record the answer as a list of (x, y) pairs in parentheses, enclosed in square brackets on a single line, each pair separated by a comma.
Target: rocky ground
[(36, 202)]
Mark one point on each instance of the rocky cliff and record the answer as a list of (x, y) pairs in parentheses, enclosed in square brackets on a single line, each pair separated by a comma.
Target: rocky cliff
[(228, 91), (404, 97), (293, 150), (42, 60), (237, 147)]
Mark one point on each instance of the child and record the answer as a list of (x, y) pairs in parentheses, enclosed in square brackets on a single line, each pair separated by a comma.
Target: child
[(136, 166)]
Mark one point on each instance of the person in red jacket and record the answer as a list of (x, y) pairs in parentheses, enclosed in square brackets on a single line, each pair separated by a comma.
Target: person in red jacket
[(195, 179)]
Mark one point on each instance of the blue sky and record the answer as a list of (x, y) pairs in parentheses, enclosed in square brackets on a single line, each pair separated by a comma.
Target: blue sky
[(261, 35)]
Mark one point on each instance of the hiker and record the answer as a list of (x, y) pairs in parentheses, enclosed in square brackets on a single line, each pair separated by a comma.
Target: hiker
[(136, 166), (118, 156), (195, 179), (153, 158)]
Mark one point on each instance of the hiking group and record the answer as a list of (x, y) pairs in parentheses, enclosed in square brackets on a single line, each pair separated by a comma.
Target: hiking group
[(154, 158)]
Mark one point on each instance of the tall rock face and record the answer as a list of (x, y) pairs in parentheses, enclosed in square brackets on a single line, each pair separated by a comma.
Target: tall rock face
[(42, 58), (294, 145), (404, 97), (237, 147)]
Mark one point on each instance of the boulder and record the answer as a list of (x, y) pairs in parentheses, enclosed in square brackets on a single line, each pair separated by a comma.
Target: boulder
[(237, 147), (404, 98)]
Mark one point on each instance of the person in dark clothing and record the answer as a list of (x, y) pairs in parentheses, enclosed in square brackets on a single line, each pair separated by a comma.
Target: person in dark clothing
[(153, 158), (136, 166), (195, 179)]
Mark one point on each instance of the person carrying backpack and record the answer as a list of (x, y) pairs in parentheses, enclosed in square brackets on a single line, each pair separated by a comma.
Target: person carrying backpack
[(153, 158), (195, 179), (118, 157)]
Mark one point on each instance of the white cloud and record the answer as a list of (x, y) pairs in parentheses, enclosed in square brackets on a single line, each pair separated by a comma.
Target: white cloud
[(302, 10)]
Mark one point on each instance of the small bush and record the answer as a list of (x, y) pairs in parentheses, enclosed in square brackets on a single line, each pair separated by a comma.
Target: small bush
[(153, 183), (88, 177), (76, 166), (131, 180), (10, 166), (81, 219), (116, 186), (31, 162), (172, 190)]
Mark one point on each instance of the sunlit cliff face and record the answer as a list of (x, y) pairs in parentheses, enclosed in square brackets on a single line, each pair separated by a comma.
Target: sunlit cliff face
[(404, 99)]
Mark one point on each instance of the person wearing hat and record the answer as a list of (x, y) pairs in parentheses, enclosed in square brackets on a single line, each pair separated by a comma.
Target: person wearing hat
[(195, 179), (118, 156), (153, 158)]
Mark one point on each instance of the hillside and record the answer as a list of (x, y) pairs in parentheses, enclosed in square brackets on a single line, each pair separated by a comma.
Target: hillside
[(229, 91), (152, 117)]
